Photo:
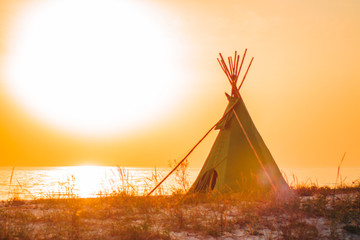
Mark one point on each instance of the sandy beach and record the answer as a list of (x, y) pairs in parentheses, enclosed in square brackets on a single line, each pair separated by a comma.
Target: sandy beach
[(320, 213)]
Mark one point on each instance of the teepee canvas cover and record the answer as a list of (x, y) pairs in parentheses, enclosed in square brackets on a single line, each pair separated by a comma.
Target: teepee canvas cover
[(239, 159)]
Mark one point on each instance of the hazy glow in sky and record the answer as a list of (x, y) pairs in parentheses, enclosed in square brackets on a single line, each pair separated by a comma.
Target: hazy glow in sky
[(92, 67), (147, 72)]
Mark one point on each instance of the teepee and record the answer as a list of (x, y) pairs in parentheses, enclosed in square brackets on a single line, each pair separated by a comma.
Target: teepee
[(239, 160)]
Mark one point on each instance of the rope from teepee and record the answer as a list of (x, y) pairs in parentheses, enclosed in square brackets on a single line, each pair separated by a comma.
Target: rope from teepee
[(182, 160), (256, 155), (232, 75)]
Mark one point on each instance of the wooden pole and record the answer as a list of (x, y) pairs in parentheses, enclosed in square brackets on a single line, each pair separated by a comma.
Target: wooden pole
[(182, 160), (222, 67), (231, 67), (245, 74), (230, 76), (242, 61), (236, 68), (256, 155), (235, 60), (226, 70)]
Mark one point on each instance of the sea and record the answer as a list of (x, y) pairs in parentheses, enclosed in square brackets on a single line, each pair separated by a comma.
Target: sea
[(95, 181)]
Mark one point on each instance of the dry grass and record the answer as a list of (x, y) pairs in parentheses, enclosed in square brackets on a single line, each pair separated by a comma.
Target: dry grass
[(313, 213), (319, 216)]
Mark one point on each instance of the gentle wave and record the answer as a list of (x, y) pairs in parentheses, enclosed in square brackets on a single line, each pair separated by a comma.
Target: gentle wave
[(93, 181), (82, 181)]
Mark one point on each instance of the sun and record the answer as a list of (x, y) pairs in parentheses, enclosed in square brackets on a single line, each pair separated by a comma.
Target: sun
[(94, 66)]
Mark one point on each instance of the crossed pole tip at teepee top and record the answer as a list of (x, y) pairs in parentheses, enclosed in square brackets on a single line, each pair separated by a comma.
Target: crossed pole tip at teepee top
[(233, 71)]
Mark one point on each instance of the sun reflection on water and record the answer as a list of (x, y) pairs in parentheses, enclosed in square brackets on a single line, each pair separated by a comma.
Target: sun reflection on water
[(95, 181), (79, 181), (88, 179)]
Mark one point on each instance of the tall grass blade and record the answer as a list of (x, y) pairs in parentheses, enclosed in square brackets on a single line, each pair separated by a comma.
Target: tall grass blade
[(11, 178), (338, 170)]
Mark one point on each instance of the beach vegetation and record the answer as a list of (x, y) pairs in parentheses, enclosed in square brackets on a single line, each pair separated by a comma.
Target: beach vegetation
[(125, 212)]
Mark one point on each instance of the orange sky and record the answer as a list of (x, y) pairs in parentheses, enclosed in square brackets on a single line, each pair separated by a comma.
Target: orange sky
[(302, 90)]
